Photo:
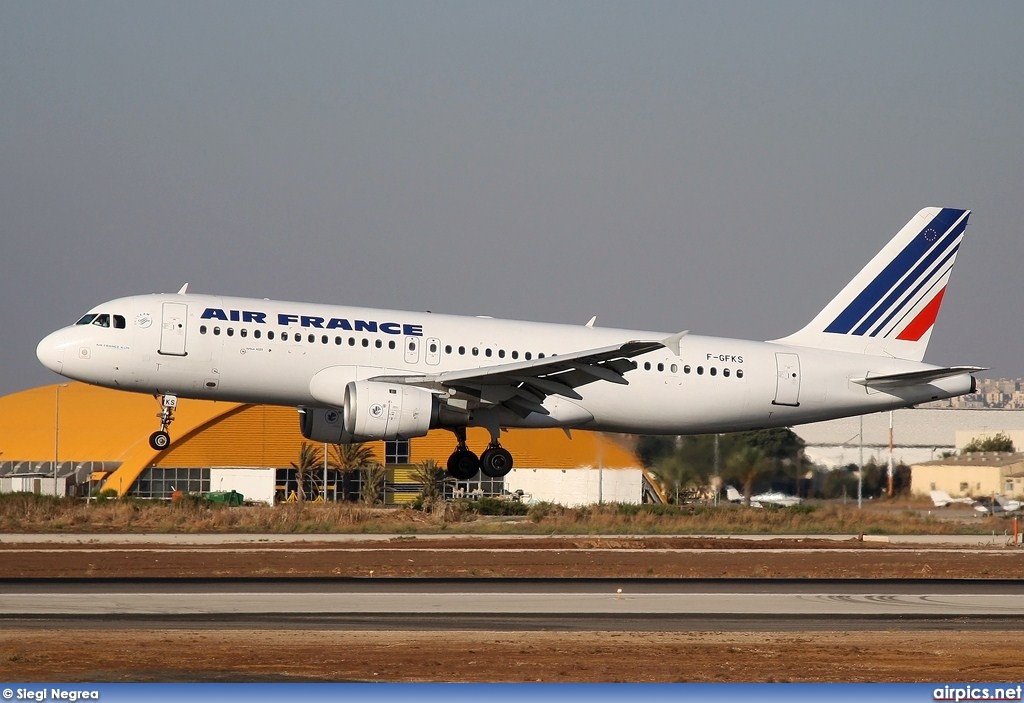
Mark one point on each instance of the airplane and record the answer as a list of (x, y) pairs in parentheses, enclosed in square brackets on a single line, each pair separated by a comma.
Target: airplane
[(762, 499), (942, 498), (361, 374), (997, 504)]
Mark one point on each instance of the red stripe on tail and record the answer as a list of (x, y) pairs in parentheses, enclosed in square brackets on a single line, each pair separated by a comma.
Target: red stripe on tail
[(924, 320)]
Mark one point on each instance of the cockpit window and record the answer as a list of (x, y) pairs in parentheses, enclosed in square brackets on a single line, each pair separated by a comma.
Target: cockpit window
[(103, 320)]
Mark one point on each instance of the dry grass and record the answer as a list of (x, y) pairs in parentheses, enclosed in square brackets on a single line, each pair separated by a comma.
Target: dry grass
[(30, 513)]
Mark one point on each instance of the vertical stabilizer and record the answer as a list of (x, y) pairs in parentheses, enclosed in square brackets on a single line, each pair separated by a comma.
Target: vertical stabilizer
[(889, 308)]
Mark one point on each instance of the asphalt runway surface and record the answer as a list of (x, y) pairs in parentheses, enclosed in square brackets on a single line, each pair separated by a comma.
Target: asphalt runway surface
[(517, 604)]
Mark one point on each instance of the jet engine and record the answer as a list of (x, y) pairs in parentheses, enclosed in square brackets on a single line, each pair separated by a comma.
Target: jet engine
[(375, 410), (372, 410), (322, 425)]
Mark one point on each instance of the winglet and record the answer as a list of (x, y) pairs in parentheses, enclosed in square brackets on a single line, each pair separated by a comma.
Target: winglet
[(183, 290), (591, 322), (672, 343)]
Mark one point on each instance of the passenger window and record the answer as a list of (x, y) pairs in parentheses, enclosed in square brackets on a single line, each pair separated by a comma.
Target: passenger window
[(243, 332), (686, 368), (739, 373), (257, 334), (647, 366), (231, 331), (700, 370), (202, 329), (725, 372), (515, 355), (216, 331), (270, 335)]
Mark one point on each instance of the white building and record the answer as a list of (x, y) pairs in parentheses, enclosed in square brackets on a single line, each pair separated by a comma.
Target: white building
[(919, 435)]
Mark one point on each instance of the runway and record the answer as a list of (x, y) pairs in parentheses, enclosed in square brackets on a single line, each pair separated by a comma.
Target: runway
[(443, 604)]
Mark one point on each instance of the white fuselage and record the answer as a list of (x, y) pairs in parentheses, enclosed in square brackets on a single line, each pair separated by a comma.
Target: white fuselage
[(263, 351)]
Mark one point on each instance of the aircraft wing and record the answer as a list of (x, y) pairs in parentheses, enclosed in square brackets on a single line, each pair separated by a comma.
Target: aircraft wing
[(913, 378), (522, 386)]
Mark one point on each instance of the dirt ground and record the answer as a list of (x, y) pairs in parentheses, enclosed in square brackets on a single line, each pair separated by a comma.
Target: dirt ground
[(33, 652)]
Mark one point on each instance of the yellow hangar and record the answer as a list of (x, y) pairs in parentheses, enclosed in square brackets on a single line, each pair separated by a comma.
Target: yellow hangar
[(75, 439)]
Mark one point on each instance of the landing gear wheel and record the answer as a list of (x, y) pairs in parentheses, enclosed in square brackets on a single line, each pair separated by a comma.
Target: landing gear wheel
[(495, 461), (463, 464), (159, 440)]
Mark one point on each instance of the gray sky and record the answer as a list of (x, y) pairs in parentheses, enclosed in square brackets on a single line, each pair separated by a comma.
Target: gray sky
[(723, 167)]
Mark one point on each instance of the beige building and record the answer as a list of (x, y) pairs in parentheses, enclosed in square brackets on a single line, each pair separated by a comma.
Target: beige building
[(973, 475)]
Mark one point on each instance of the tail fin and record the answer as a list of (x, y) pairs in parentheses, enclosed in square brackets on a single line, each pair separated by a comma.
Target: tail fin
[(889, 308)]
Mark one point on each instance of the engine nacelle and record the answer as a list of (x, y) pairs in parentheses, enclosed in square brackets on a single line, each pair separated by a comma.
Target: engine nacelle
[(323, 425), (375, 410)]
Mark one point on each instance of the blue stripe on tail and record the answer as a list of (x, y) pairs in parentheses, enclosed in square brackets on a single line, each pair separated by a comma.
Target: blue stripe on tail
[(918, 255)]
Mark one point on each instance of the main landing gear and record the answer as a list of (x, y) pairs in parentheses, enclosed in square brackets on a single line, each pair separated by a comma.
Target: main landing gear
[(463, 464), (160, 440)]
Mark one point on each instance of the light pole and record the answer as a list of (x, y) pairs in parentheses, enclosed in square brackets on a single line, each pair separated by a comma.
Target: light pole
[(860, 472), (56, 431)]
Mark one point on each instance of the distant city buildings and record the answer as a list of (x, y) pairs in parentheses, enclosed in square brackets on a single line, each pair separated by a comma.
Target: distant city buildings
[(993, 393)]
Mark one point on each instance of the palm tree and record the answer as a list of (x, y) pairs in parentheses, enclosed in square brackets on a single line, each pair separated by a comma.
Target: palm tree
[(675, 472), (309, 458), (431, 476), (349, 459), (747, 464), (374, 476)]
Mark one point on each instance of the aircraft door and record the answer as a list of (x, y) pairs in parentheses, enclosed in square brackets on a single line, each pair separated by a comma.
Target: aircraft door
[(787, 383), (172, 329)]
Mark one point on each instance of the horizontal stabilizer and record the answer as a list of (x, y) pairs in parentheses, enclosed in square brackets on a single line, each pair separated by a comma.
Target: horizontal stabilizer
[(913, 378)]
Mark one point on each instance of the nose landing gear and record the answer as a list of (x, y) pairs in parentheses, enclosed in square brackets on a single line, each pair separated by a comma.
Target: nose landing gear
[(160, 440)]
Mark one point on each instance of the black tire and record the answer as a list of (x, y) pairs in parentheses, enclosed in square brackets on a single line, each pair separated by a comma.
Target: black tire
[(463, 465), (159, 440), (496, 462)]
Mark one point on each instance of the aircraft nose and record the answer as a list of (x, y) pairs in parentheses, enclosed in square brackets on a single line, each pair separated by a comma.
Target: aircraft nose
[(50, 351)]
